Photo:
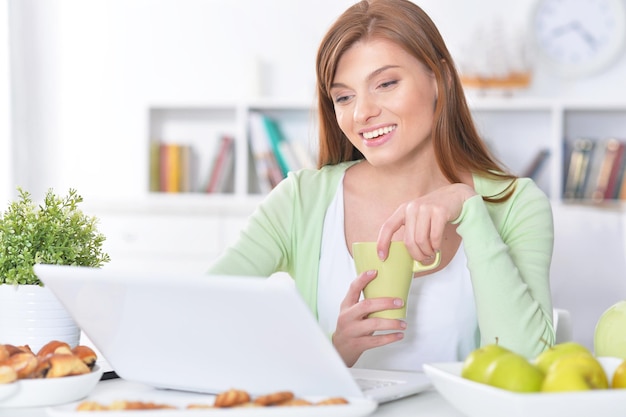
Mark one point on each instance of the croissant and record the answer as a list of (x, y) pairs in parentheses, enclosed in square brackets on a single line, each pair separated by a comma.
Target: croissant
[(52, 347), (231, 398), (7, 374), (12, 349), (23, 363), (86, 354), (62, 364), (4, 353)]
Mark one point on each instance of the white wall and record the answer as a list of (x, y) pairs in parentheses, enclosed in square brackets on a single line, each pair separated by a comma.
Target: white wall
[(5, 93)]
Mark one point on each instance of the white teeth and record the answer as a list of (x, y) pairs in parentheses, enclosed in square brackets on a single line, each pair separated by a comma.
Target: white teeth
[(376, 133)]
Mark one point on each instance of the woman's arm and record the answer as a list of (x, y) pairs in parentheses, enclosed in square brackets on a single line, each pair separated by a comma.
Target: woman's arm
[(509, 250)]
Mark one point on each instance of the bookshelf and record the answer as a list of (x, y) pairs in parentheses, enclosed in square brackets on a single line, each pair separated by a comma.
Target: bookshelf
[(202, 127), (518, 130)]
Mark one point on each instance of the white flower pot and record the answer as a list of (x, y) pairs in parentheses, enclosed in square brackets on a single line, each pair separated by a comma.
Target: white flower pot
[(32, 315)]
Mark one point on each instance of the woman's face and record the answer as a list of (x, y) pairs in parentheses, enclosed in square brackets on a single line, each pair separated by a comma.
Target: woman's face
[(384, 102)]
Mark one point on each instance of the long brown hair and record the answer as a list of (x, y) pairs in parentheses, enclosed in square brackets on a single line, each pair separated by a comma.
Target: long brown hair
[(457, 144)]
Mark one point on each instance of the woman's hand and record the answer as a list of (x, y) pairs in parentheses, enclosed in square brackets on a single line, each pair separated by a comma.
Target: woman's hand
[(355, 330), (424, 220)]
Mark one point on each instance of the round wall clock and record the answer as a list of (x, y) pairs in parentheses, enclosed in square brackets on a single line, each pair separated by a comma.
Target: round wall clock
[(578, 37)]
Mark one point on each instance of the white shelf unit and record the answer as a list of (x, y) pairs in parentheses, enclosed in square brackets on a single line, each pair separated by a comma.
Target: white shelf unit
[(186, 230), (202, 125), (516, 129)]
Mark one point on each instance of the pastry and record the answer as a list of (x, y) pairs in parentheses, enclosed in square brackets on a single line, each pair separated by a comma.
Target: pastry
[(23, 363), (53, 347), (91, 406), (4, 353), (275, 398), (138, 405), (62, 364), (199, 406), (333, 401), (86, 354), (7, 374), (12, 349), (296, 402), (231, 398)]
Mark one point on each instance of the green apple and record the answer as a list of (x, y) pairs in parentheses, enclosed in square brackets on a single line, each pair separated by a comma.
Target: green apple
[(513, 372), (546, 358), (619, 376), (610, 333), (476, 363), (575, 372)]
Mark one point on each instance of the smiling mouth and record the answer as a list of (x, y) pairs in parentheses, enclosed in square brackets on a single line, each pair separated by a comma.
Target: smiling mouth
[(379, 132)]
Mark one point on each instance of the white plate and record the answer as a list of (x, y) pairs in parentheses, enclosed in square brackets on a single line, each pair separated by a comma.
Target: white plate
[(474, 399), (52, 391), (6, 390), (357, 407)]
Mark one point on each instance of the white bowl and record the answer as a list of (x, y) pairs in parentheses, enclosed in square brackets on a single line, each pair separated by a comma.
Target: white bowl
[(474, 399), (51, 391)]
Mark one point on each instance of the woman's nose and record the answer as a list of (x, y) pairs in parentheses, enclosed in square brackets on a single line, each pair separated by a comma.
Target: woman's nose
[(365, 108)]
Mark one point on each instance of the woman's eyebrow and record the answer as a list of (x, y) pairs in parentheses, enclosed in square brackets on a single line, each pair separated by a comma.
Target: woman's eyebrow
[(369, 77)]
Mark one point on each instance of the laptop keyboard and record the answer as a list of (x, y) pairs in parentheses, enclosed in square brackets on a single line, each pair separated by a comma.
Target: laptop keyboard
[(369, 384)]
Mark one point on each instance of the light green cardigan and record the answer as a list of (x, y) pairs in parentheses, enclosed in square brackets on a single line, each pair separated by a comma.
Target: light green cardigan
[(508, 246)]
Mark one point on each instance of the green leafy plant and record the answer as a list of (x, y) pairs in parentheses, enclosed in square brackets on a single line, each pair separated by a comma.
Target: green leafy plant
[(56, 232)]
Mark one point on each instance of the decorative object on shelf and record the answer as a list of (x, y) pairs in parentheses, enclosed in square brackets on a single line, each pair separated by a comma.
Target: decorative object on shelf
[(55, 232), (578, 37), (495, 59)]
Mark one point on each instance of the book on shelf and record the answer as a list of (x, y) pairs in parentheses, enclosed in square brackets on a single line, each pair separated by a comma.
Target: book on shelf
[(616, 174), (275, 173), (222, 167), (593, 179), (155, 162), (185, 168), (609, 158), (170, 167), (275, 155), (303, 157), (277, 144), (620, 184), (597, 170), (577, 169), (536, 165), (265, 164)]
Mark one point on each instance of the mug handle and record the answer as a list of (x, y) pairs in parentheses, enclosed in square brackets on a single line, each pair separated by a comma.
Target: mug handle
[(420, 267)]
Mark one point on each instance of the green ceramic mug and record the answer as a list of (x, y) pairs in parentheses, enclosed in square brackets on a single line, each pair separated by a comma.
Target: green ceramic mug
[(394, 273)]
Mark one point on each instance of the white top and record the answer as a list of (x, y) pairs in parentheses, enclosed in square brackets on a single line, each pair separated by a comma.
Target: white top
[(441, 315)]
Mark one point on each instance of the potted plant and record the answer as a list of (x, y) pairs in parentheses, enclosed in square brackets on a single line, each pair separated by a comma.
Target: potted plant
[(54, 232)]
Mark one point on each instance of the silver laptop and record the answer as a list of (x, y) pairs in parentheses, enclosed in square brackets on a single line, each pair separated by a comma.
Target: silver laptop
[(208, 334)]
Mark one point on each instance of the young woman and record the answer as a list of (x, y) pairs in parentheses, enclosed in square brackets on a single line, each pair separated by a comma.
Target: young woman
[(400, 159)]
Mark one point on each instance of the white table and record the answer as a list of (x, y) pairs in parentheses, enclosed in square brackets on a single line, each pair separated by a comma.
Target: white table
[(428, 403)]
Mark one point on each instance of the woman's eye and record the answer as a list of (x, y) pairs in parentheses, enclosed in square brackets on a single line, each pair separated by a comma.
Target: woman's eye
[(388, 84), (341, 99)]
